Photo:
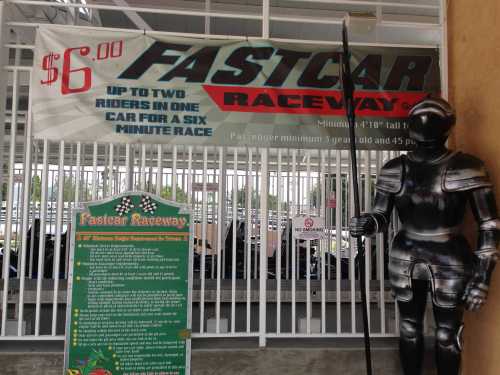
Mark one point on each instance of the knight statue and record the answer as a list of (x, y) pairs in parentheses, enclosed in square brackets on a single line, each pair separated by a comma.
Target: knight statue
[(429, 188)]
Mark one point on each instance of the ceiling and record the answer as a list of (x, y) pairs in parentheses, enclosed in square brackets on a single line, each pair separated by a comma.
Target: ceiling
[(404, 22)]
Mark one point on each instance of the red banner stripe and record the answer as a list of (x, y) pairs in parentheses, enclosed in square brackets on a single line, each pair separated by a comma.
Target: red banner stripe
[(311, 102)]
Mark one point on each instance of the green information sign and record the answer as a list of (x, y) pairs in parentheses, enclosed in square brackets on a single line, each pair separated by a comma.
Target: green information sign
[(129, 297)]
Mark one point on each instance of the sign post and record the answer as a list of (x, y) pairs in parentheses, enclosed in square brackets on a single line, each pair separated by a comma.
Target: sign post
[(130, 282)]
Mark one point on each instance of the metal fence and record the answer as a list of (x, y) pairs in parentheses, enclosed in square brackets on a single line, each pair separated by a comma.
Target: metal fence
[(251, 278)]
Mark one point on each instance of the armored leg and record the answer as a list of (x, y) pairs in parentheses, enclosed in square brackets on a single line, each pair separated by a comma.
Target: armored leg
[(448, 326), (411, 341)]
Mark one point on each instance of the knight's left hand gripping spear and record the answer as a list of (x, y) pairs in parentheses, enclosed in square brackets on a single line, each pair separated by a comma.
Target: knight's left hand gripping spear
[(348, 90)]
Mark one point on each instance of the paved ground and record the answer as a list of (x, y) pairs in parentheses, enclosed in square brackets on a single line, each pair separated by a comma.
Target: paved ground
[(269, 361)]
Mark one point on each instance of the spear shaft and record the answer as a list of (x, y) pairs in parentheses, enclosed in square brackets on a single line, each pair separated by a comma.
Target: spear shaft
[(348, 89)]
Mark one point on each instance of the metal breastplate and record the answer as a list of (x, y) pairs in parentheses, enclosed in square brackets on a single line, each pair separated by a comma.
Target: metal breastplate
[(422, 204)]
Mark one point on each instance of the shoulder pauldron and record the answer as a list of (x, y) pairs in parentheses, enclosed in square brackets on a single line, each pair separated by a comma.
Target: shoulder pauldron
[(465, 172), (390, 178)]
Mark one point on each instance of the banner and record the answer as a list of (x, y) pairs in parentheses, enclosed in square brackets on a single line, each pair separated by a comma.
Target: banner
[(129, 87)]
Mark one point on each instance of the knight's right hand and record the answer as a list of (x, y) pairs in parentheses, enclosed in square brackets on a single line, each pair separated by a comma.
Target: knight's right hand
[(362, 226)]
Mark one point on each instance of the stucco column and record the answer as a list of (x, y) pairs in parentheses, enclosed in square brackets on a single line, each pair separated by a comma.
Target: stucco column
[(474, 76)]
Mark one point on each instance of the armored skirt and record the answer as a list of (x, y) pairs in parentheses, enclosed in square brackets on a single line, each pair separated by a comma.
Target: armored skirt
[(444, 260)]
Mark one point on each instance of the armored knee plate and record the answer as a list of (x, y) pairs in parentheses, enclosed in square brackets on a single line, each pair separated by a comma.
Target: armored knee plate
[(410, 330), (449, 338)]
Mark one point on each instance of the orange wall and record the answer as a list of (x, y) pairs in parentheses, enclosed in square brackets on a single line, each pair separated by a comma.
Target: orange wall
[(474, 76)]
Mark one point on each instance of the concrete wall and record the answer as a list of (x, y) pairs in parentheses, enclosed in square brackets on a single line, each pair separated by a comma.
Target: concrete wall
[(474, 43)]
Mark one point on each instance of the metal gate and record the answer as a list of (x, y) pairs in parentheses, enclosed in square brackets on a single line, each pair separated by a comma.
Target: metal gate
[(252, 279)]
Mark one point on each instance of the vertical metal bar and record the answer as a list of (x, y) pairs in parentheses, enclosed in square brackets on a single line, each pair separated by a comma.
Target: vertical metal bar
[(207, 17), (118, 175), (299, 207), (149, 170), (105, 172), (278, 245), (288, 215), (190, 175), (10, 202), (159, 169), (329, 218), (33, 217), (69, 195), (94, 173), (18, 216), (78, 173), (203, 241), (233, 249), (265, 18), (395, 219), (263, 245), (249, 236), (174, 174), (352, 261), (338, 234), (142, 179), (25, 213), (308, 245), (368, 240), (294, 263), (4, 60), (220, 225), (248, 225), (129, 169), (20, 202), (257, 208), (41, 243), (57, 250), (323, 243), (226, 194), (395, 222), (111, 170), (348, 208), (213, 214), (380, 258), (183, 178), (443, 50), (52, 201)]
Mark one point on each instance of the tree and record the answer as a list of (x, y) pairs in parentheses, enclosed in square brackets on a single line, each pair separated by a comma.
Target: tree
[(272, 200), (69, 189), (181, 196), (36, 188)]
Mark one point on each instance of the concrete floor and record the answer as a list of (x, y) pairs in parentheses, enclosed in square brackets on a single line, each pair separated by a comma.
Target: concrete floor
[(252, 361)]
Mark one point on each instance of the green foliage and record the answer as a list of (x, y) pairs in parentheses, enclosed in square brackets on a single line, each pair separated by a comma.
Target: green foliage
[(272, 200), (69, 188), (181, 196), (36, 188)]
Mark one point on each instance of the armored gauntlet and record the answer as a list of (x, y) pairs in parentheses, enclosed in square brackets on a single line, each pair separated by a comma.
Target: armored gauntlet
[(485, 257)]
